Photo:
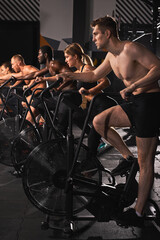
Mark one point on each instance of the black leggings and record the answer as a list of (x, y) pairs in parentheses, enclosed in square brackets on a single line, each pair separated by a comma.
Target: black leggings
[(102, 103), (63, 111)]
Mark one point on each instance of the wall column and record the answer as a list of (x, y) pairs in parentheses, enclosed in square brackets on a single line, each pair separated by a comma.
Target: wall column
[(82, 14)]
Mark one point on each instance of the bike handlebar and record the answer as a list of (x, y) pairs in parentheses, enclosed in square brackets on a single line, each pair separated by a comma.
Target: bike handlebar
[(33, 85), (84, 92), (53, 85), (8, 81)]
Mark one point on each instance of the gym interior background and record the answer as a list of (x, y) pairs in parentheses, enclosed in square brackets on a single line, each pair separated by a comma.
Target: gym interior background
[(27, 25)]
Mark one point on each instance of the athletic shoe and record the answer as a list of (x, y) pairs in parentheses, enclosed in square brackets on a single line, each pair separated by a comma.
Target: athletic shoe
[(124, 166), (130, 218), (102, 145)]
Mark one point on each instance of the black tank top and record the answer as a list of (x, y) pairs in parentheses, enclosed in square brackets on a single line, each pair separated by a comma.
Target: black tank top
[(86, 85)]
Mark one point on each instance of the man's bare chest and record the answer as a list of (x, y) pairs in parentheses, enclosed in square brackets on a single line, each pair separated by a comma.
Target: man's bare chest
[(123, 68)]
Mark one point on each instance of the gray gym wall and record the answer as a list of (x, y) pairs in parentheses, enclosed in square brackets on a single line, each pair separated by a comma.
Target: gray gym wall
[(56, 18)]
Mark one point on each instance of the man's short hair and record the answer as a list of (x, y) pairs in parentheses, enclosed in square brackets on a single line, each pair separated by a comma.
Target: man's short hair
[(19, 58), (47, 49), (106, 22)]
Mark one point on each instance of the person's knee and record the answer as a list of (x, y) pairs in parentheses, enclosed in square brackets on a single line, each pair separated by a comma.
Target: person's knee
[(28, 117), (97, 122)]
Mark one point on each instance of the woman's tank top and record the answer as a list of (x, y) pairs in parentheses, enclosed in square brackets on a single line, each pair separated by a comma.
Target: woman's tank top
[(86, 85)]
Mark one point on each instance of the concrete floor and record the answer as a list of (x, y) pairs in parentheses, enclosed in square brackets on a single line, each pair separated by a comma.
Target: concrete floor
[(20, 220)]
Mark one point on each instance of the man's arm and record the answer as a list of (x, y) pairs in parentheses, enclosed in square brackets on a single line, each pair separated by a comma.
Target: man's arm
[(149, 61), (54, 77), (15, 84), (34, 74), (8, 76), (29, 73)]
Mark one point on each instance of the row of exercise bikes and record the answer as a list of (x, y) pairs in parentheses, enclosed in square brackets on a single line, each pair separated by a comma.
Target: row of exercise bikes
[(48, 163)]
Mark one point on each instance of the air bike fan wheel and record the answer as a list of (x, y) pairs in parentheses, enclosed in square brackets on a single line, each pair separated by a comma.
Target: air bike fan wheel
[(22, 145), (9, 129), (44, 178)]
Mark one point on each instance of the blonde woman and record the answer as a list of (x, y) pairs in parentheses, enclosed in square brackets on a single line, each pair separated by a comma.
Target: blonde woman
[(76, 58)]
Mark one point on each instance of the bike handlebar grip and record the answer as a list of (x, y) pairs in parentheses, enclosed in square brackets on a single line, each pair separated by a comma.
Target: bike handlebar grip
[(60, 80), (84, 92), (128, 94), (13, 78), (8, 81)]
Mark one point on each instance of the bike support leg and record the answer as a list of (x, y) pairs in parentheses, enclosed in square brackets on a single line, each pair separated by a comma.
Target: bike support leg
[(129, 181), (69, 184)]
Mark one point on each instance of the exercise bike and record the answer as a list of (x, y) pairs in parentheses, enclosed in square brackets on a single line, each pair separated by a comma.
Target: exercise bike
[(10, 126), (58, 188), (32, 136)]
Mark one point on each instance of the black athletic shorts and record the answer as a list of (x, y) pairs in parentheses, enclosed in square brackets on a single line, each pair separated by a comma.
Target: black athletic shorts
[(143, 111)]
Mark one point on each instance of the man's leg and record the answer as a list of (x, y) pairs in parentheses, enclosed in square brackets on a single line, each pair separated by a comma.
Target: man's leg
[(35, 114), (146, 154), (104, 123)]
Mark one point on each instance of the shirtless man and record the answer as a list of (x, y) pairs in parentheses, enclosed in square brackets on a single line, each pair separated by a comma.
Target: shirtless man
[(140, 71), (20, 70), (52, 67)]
